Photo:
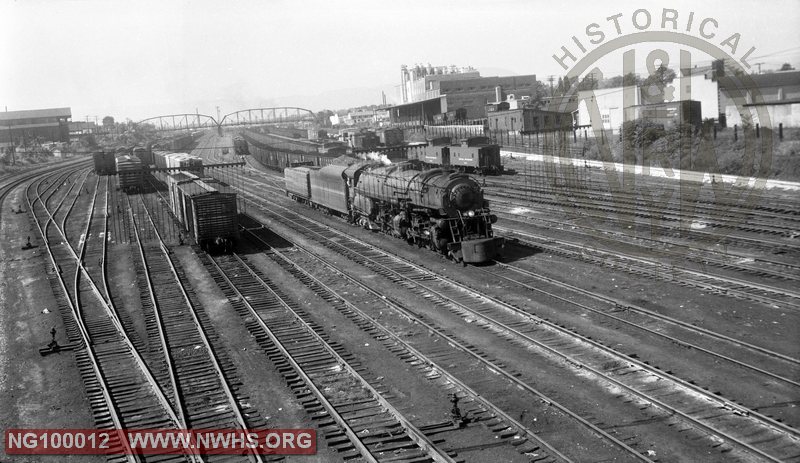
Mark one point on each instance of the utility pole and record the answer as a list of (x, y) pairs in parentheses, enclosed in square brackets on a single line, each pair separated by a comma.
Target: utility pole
[(550, 79), (759, 66), (11, 146)]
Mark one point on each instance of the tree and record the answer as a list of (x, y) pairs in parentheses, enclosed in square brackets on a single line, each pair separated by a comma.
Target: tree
[(322, 118), (630, 79), (656, 88), (588, 83), (108, 121), (787, 67), (567, 84), (662, 76), (538, 95)]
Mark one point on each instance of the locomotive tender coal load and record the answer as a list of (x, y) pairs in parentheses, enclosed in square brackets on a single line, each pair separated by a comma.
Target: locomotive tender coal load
[(436, 208)]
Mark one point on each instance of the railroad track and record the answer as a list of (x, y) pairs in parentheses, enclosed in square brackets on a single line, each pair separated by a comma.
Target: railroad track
[(121, 390), (738, 427), (761, 371), (654, 224), (202, 379), (735, 217), (429, 356), (666, 249), (651, 268), (356, 419)]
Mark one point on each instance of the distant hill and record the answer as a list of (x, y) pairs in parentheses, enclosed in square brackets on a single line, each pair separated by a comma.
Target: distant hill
[(340, 99)]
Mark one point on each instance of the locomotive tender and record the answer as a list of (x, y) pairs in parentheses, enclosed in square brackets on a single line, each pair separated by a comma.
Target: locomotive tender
[(436, 208)]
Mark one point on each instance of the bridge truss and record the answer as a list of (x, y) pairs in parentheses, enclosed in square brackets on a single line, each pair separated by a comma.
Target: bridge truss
[(260, 116), (255, 116)]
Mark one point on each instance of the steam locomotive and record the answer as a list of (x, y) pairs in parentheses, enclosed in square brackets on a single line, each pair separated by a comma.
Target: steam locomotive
[(436, 208)]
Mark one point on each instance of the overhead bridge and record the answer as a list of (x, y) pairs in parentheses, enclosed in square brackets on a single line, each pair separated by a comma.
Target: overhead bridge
[(254, 116)]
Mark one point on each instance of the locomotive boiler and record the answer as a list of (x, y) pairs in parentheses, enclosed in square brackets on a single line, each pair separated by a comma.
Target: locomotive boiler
[(435, 208)]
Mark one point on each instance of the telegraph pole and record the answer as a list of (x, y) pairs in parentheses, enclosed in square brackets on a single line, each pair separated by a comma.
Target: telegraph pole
[(11, 146), (550, 79)]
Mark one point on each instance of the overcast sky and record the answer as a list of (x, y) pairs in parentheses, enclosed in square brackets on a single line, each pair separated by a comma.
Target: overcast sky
[(135, 59)]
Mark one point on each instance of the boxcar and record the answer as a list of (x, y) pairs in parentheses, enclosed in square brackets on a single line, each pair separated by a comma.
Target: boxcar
[(209, 213), (184, 161), (240, 146), (104, 163), (173, 181), (392, 136), (144, 154), (129, 169)]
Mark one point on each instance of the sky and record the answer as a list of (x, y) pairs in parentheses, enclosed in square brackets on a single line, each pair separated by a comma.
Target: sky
[(135, 59)]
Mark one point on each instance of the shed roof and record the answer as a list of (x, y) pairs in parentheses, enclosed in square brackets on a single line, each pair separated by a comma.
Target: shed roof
[(764, 81), (35, 113)]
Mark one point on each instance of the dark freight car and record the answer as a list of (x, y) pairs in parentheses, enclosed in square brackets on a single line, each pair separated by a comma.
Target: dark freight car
[(391, 136), (240, 146), (104, 163), (209, 214), (129, 169), (474, 155), (144, 154)]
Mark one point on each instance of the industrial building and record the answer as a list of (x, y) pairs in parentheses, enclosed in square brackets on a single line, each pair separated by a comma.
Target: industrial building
[(453, 93), (20, 127), (721, 97), (777, 92), (516, 115)]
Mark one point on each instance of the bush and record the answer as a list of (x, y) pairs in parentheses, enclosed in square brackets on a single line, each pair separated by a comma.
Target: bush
[(641, 133)]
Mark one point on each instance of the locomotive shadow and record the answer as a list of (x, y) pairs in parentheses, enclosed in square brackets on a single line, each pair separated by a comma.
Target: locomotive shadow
[(514, 251)]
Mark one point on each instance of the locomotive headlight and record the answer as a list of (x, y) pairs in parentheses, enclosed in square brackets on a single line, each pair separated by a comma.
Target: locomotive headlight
[(471, 214)]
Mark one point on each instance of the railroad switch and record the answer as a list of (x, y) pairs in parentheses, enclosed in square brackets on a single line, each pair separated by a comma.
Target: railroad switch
[(455, 412), (52, 347), (28, 245)]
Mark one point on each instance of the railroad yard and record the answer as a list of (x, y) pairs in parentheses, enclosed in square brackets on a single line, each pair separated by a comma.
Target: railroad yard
[(608, 328)]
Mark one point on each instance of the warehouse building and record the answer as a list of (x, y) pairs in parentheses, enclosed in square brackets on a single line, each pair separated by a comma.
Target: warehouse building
[(21, 127), (428, 93)]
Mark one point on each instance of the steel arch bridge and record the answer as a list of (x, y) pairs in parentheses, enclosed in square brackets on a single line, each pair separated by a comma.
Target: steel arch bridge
[(267, 116), (255, 116), (174, 122)]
